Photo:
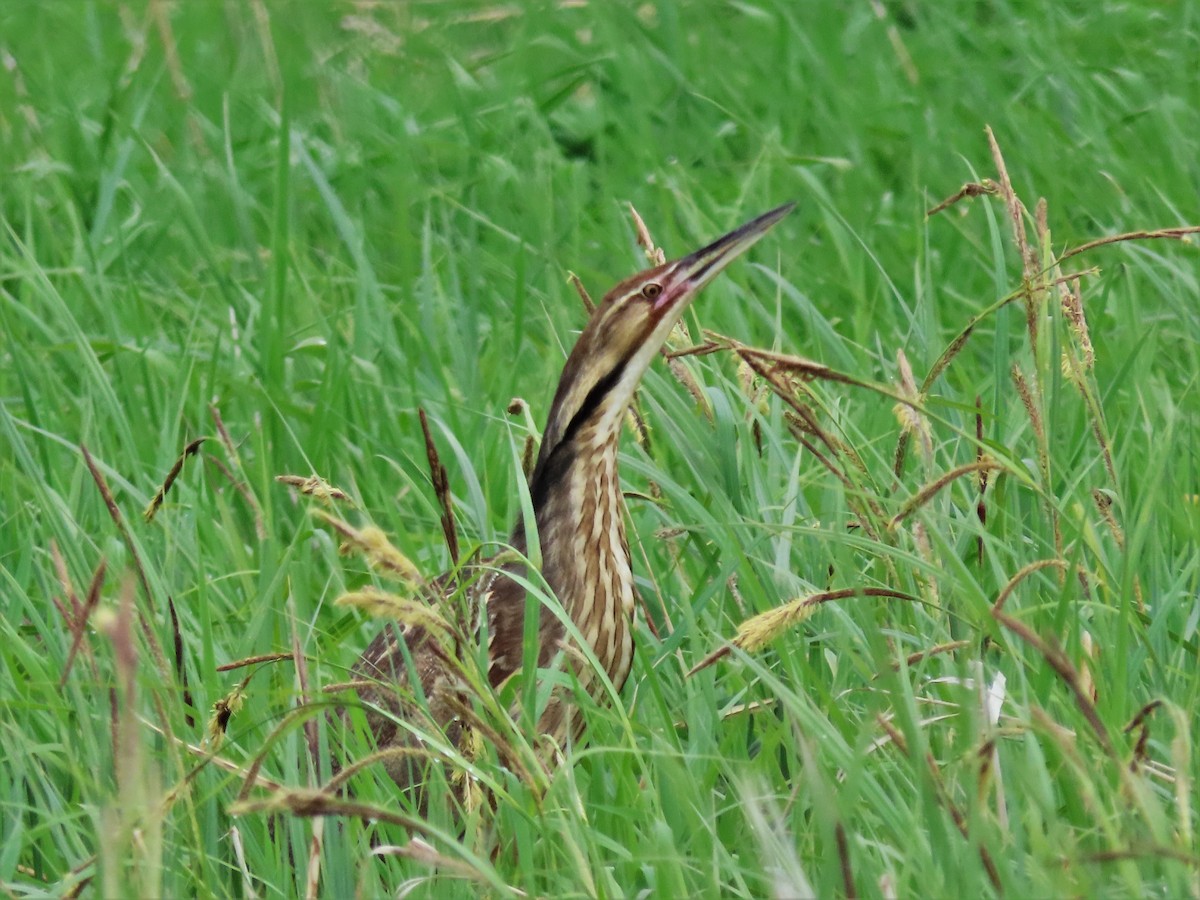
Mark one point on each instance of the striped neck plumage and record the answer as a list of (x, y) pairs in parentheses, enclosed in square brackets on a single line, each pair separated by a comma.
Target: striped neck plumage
[(623, 336)]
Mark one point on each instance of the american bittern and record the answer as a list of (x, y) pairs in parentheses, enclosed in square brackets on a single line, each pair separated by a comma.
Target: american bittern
[(579, 512)]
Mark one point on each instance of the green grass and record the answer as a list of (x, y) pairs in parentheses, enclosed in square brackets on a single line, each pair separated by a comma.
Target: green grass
[(315, 220)]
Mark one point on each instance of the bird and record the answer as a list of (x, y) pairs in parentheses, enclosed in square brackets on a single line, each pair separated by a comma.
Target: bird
[(579, 513)]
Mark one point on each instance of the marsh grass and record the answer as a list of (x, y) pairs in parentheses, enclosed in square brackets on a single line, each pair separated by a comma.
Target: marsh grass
[(925, 502)]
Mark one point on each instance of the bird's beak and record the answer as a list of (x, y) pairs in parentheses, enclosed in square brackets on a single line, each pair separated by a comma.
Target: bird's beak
[(695, 270)]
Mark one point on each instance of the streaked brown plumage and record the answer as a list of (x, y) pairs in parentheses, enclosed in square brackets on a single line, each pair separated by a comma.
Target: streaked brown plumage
[(579, 513)]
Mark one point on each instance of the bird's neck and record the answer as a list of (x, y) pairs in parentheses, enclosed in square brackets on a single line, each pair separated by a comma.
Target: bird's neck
[(580, 516)]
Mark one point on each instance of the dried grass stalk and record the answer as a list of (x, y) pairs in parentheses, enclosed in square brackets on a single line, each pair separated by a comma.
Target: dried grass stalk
[(441, 487), (654, 254), (408, 611), (379, 552), (927, 493), (908, 410), (758, 631), (315, 486), (157, 500)]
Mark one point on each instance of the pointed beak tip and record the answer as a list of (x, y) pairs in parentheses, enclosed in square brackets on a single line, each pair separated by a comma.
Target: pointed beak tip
[(770, 218), (736, 242), (696, 269)]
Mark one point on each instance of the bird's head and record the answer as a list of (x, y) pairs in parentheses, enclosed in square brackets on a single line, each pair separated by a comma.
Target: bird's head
[(628, 328)]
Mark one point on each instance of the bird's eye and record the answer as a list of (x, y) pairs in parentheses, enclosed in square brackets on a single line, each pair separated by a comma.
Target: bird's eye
[(651, 290)]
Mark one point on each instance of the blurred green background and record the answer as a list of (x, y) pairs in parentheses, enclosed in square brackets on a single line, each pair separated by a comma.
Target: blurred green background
[(313, 217)]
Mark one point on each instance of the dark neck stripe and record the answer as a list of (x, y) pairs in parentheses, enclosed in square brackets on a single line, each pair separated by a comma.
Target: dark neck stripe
[(553, 461), (592, 401)]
